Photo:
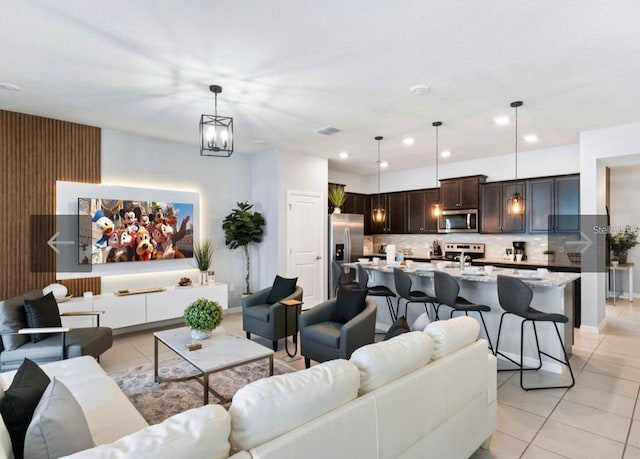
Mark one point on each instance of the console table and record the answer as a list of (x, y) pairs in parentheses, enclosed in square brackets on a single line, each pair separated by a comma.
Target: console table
[(628, 267), (131, 310)]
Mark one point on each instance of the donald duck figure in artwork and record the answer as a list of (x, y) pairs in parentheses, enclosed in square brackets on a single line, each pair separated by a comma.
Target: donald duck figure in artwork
[(106, 227)]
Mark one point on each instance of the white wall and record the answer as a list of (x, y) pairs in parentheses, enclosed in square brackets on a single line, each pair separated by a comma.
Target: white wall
[(536, 163), (598, 148), (133, 160)]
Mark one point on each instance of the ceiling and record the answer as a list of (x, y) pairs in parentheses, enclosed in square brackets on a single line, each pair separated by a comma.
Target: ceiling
[(289, 67)]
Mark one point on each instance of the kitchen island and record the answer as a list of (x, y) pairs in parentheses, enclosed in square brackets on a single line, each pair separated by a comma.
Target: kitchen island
[(552, 294)]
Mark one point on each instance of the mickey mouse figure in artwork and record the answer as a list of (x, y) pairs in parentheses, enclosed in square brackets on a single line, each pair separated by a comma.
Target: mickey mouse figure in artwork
[(130, 221), (143, 219), (106, 227)]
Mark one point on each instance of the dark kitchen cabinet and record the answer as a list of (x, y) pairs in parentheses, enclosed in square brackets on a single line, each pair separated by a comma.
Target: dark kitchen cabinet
[(553, 204), (354, 204), (419, 219), (494, 213), (395, 205), (461, 193), (367, 215)]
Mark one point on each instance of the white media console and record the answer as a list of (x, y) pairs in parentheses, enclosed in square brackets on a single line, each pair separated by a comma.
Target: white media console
[(143, 308)]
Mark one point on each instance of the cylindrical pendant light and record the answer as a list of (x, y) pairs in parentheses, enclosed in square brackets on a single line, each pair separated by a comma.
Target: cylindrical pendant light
[(436, 208), (378, 214), (515, 204)]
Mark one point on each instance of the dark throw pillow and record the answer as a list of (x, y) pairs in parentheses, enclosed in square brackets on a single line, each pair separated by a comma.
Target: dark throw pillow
[(42, 312), (20, 401), (399, 327), (349, 303), (282, 288), (13, 318)]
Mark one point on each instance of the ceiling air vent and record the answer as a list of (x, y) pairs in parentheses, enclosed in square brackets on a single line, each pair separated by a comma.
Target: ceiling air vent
[(327, 131)]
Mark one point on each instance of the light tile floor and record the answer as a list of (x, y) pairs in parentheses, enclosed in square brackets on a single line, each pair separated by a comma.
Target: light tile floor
[(599, 417)]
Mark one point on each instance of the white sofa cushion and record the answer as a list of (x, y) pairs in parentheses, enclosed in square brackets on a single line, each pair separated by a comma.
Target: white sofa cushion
[(270, 407), (421, 322), (386, 361), (453, 334), (6, 448), (200, 432)]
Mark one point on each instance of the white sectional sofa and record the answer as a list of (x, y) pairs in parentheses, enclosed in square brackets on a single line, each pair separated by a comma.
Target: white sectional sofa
[(421, 395)]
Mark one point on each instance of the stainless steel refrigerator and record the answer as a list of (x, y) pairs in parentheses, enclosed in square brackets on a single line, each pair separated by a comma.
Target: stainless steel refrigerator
[(346, 241)]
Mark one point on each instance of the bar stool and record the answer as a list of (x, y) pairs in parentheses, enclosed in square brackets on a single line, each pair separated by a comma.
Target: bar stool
[(515, 297), (376, 290), (447, 289), (339, 278), (403, 288)]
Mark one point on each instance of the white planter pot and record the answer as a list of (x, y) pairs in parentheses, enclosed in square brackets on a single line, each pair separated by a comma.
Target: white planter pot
[(200, 334), (336, 210)]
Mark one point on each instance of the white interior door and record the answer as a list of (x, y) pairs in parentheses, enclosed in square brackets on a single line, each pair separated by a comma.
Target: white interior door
[(305, 233)]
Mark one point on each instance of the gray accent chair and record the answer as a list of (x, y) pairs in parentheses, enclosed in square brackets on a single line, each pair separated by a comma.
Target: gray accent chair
[(322, 340), (63, 343), (267, 320)]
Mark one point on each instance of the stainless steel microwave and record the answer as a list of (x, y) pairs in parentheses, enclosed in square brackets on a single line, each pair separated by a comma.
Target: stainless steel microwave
[(458, 221)]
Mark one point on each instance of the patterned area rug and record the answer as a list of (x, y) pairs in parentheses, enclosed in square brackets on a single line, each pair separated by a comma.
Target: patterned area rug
[(158, 401)]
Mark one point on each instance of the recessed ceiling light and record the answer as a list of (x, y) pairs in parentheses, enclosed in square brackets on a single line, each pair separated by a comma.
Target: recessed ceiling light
[(384, 164), (343, 155), (531, 138), (419, 89), (408, 140), (10, 86), (445, 154), (501, 120), (259, 142)]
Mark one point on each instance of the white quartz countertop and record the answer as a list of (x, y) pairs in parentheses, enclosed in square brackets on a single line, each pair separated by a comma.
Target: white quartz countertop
[(426, 270), (528, 264)]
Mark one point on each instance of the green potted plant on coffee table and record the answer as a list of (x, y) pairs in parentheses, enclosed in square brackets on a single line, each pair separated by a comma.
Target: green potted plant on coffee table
[(202, 317)]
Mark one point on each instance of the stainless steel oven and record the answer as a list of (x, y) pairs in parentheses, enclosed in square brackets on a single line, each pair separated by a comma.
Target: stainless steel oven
[(458, 221)]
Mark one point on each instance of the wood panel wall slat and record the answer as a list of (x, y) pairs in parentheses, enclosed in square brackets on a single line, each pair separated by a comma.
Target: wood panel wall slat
[(34, 153)]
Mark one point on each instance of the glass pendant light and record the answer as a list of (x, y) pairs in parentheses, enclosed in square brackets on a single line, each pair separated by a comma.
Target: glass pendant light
[(436, 208), (515, 204), (378, 214)]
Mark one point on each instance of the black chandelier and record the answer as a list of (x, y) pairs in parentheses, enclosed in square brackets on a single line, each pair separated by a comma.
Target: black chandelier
[(216, 132)]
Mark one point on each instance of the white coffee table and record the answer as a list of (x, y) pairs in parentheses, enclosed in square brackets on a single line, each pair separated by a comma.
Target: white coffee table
[(221, 351)]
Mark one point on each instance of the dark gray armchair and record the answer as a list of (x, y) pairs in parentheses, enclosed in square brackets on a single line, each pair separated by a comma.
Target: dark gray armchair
[(322, 339), (61, 343), (267, 320)]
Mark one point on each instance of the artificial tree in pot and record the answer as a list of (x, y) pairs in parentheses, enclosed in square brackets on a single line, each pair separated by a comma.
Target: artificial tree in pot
[(243, 226), (337, 197)]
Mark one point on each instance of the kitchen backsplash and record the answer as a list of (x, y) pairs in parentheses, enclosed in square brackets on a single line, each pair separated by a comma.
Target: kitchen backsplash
[(495, 244)]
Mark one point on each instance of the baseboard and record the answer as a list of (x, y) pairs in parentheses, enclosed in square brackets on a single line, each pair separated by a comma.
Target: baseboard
[(234, 310), (550, 366), (597, 330)]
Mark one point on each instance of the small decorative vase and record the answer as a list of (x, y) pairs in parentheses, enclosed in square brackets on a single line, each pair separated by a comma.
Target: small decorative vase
[(204, 277), (336, 210), (623, 258), (200, 334)]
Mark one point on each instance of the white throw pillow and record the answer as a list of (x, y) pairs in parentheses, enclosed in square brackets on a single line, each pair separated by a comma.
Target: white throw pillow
[(267, 408), (199, 432), (421, 322), (386, 361), (6, 448), (453, 334)]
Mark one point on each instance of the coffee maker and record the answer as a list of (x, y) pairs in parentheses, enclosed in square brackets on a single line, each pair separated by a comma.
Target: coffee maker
[(519, 248)]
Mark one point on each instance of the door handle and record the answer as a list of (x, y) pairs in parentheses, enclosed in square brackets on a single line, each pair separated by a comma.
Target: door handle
[(318, 257)]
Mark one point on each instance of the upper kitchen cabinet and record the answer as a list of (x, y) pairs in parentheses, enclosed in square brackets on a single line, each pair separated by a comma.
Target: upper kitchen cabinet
[(461, 193), (354, 204), (419, 219), (553, 204), (395, 205), (494, 214)]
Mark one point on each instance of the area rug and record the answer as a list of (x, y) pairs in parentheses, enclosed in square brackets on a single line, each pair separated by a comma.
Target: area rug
[(158, 401)]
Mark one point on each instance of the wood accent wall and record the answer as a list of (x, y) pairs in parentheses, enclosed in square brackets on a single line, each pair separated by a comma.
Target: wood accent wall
[(34, 153)]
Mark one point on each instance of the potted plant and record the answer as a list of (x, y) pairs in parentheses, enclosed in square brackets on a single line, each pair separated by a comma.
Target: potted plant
[(620, 242), (548, 255), (202, 317), (242, 227), (203, 253), (337, 197), (614, 261)]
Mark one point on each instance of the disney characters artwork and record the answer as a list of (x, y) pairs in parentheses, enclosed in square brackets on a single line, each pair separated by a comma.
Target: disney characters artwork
[(134, 231)]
